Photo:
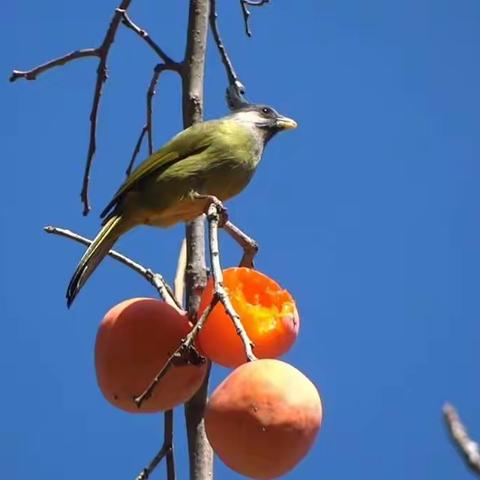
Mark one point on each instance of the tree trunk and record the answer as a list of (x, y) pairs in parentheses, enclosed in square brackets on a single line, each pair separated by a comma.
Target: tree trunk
[(200, 452)]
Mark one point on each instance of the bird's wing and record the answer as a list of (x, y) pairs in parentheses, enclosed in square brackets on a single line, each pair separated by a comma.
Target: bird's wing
[(189, 142)]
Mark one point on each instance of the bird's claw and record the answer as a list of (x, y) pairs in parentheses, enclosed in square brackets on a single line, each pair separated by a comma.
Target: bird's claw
[(220, 208)]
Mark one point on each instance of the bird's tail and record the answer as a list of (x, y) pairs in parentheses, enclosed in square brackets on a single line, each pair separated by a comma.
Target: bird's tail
[(94, 254)]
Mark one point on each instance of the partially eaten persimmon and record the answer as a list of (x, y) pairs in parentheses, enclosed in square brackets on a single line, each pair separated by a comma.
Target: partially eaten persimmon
[(267, 311)]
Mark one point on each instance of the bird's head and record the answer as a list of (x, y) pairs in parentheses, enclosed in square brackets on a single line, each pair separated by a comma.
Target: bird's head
[(265, 120)]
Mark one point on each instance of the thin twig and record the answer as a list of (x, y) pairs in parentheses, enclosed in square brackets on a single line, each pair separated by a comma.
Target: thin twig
[(136, 150), (236, 90), (157, 71), (153, 278), (168, 64), (249, 245), (148, 127), (56, 62), (127, 21), (99, 84), (466, 446), (168, 440), (213, 217), (233, 79), (145, 473), (246, 12), (165, 451)]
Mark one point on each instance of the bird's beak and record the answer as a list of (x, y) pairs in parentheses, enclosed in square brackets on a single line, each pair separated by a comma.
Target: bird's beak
[(285, 123)]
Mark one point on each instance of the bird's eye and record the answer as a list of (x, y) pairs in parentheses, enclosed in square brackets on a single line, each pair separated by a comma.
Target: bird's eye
[(267, 111)]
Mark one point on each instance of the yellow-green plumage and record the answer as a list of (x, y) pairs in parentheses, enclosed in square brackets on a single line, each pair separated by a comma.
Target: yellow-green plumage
[(217, 158)]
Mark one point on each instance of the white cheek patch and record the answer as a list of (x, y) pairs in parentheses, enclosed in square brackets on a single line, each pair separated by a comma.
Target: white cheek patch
[(249, 117)]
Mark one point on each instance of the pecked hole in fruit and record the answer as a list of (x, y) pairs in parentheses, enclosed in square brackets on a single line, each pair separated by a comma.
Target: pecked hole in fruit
[(267, 311), (267, 305)]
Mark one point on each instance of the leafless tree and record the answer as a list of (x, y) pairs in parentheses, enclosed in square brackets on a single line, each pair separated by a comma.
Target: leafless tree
[(191, 273)]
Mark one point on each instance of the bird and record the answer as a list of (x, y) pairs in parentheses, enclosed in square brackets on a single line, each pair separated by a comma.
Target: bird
[(212, 159)]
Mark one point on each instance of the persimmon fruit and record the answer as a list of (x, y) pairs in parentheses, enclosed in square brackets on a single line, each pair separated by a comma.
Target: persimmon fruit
[(267, 311), (263, 419), (134, 340)]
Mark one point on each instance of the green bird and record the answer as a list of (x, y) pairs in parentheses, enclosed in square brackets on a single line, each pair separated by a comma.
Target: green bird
[(216, 158)]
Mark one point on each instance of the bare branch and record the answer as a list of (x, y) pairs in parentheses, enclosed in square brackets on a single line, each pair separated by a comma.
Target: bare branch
[(157, 71), (213, 217), (246, 12), (168, 440), (127, 21), (148, 127), (249, 245), (200, 451), (236, 88), (466, 446), (99, 84), (56, 62), (136, 150), (165, 451), (147, 471), (154, 279), (102, 53)]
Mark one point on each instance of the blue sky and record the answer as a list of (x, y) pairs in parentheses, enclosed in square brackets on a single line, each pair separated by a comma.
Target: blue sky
[(369, 214)]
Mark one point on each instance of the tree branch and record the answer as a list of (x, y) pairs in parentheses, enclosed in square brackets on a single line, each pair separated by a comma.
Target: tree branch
[(102, 76), (469, 449), (155, 279), (157, 71), (249, 245), (236, 88), (136, 150), (213, 217), (127, 21), (102, 53), (56, 62), (246, 12), (168, 440), (165, 451), (200, 451), (148, 127)]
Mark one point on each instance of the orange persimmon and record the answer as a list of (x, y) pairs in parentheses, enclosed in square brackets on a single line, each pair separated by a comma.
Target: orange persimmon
[(263, 419), (267, 311), (134, 340)]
